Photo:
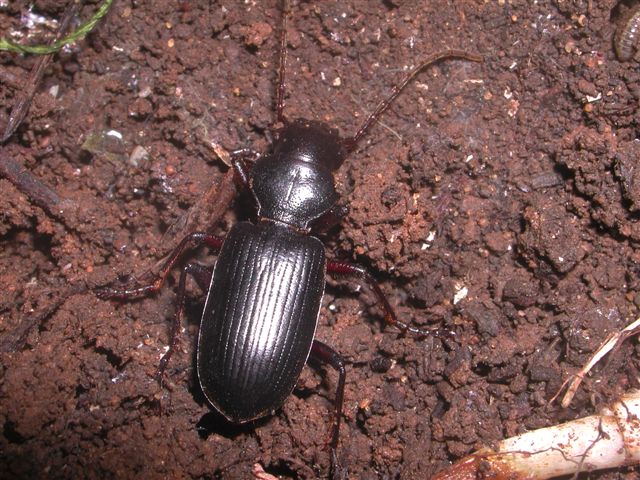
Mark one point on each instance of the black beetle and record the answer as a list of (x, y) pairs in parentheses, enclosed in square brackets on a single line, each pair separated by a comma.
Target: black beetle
[(264, 293)]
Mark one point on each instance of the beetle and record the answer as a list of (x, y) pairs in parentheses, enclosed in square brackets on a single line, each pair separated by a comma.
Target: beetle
[(264, 293)]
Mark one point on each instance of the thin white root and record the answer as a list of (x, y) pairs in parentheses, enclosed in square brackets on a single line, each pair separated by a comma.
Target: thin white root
[(612, 341), (608, 440)]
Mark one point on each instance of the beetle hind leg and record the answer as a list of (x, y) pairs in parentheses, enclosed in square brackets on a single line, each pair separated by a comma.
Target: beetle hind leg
[(202, 276), (323, 353)]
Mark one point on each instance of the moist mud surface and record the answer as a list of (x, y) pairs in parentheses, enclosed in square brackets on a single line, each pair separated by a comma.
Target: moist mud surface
[(499, 201)]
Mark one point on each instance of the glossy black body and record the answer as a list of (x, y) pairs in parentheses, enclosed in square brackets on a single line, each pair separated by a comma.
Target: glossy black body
[(263, 303), (259, 318)]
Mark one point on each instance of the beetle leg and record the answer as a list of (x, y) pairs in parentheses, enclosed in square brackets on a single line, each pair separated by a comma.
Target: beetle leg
[(330, 219), (202, 275), (343, 268), (240, 166), (325, 354), (190, 242), (246, 154)]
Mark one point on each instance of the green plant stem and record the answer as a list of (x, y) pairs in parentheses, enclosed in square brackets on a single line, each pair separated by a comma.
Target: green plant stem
[(82, 31)]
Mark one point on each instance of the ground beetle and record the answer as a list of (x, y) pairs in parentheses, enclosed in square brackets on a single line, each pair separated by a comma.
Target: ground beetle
[(264, 292)]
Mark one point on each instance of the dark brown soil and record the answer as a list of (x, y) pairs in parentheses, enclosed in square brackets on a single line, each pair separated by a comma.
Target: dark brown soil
[(514, 180)]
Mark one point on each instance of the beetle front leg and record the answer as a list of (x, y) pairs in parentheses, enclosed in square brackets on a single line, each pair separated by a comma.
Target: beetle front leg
[(202, 276), (343, 268), (239, 165), (190, 242), (330, 218), (325, 354)]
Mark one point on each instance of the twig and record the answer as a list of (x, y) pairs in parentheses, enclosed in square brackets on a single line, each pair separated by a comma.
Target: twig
[(611, 342), (15, 340), (24, 98), (38, 192), (202, 216), (205, 213)]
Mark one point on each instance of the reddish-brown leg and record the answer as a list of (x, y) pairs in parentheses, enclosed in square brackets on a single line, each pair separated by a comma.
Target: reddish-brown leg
[(324, 354), (202, 275), (329, 219), (190, 242), (343, 268), (240, 166)]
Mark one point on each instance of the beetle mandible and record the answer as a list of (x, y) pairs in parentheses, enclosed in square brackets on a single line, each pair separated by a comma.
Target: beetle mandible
[(265, 290)]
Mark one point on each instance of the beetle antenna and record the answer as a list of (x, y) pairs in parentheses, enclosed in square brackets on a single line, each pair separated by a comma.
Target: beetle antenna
[(283, 61), (351, 143)]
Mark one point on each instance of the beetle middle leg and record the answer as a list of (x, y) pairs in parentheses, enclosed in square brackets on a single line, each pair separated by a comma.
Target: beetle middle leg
[(190, 242), (390, 317), (200, 273)]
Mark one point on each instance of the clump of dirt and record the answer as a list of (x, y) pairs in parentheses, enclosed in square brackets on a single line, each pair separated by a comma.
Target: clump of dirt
[(497, 200)]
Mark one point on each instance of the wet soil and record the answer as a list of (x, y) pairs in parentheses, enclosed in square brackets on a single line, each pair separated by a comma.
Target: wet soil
[(497, 200)]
